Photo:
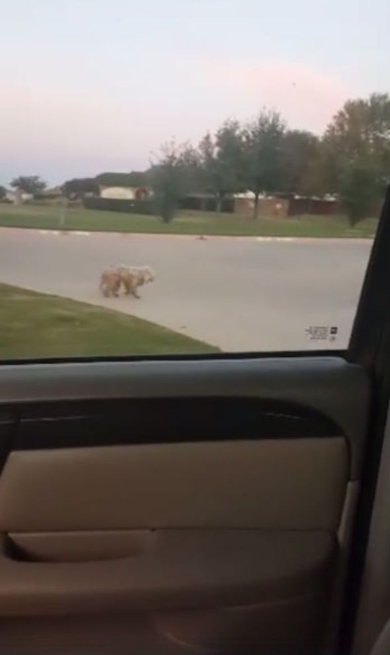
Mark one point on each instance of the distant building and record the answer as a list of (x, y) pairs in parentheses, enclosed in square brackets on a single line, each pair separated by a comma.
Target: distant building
[(268, 206), (206, 202), (17, 197), (117, 193), (327, 206), (281, 205), (123, 193)]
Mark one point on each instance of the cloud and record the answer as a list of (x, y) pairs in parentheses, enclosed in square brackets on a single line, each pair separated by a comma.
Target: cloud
[(66, 119), (306, 97), (59, 130), (59, 133)]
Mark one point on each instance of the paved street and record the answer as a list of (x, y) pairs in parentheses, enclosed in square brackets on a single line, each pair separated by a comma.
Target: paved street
[(236, 293)]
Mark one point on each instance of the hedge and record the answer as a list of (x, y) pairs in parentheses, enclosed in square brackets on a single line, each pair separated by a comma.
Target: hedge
[(206, 204), (146, 207)]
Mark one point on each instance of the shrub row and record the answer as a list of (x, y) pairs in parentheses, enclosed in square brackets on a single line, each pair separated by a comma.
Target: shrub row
[(146, 207), (206, 204)]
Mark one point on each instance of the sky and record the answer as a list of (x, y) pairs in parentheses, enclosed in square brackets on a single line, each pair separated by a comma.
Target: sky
[(98, 85)]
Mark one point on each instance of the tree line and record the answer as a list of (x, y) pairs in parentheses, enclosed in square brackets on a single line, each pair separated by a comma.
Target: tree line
[(351, 161)]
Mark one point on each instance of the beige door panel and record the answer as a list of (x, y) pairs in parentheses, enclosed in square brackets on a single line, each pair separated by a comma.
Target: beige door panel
[(91, 546), (296, 484), (285, 627), (202, 590), (183, 569), (196, 546)]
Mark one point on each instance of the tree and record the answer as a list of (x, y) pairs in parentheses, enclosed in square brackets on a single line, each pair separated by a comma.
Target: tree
[(361, 128), (221, 161), (172, 176), (79, 187), (357, 143), (3, 192), (208, 165), (229, 160), (133, 179), (359, 189), (322, 173), (300, 154), (29, 184), (263, 139)]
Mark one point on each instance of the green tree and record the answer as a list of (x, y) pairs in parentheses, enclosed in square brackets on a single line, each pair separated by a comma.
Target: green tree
[(361, 128), (359, 189), (357, 146), (3, 192), (300, 155), (263, 142), (221, 161), (28, 184), (208, 165), (133, 179), (173, 175), (322, 172), (79, 187)]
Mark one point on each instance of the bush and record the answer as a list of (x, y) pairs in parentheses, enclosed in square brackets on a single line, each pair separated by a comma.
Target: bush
[(133, 179), (47, 196), (146, 207), (360, 190), (206, 203)]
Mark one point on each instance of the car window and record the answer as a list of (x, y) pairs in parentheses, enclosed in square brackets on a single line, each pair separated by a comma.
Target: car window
[(188, 178)]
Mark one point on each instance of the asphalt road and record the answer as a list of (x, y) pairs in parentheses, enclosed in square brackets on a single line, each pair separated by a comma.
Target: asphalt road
[(240, 294)]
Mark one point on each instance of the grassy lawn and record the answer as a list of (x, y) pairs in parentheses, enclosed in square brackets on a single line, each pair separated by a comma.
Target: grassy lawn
[(196, 223), (34, 325)]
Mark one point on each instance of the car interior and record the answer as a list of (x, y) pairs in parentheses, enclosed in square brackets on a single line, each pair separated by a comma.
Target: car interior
[(216, 504)]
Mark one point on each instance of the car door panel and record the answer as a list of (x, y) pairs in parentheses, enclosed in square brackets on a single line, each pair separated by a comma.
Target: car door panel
[(332, 388), (238, 485), (205, 498)]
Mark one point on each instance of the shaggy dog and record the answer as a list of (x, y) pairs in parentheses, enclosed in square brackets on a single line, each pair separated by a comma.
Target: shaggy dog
[(110, 282), (131, 277)]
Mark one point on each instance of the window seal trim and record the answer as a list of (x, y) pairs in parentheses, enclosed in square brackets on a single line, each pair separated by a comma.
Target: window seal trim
[(369, 347)]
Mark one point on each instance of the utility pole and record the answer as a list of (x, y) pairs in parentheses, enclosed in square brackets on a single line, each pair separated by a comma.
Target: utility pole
[(63, 207)]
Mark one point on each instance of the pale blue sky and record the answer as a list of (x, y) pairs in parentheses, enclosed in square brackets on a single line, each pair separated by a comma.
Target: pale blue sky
[(94, 85)]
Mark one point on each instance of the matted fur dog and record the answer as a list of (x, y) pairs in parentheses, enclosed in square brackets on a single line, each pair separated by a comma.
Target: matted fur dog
[(130, 277)]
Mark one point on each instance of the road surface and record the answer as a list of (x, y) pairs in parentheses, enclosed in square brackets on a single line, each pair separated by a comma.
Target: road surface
[(241, 294)]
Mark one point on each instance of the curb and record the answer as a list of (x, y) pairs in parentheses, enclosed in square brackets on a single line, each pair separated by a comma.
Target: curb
[(199, 237)]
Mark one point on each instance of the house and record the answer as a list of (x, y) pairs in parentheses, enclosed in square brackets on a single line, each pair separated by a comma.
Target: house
[(268, 206), (286, 205), (327, 206), (206, 202), (17, 197), (123, 193)]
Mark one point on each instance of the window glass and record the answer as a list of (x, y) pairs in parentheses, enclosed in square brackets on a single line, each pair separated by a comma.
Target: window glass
[(188, 177)]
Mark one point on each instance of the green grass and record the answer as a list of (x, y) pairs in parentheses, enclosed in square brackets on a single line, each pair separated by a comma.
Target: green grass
[(196, 223), (35, 325)]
